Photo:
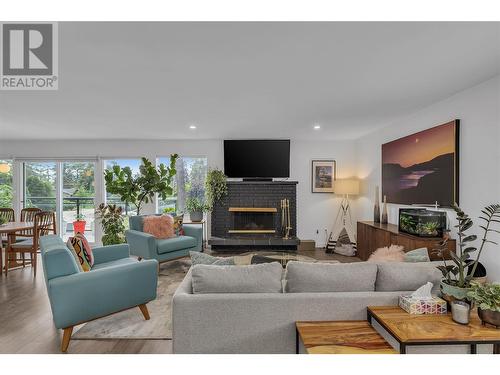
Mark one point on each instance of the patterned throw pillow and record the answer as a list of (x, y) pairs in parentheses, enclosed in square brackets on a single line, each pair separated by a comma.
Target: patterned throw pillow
[(82, 252), (178, 229)]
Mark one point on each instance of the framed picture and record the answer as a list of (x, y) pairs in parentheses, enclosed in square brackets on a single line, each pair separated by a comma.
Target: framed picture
[(322, 176), (422, 168)]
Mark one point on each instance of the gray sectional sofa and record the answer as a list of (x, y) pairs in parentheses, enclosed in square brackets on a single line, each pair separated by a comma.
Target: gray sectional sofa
[(253, 309)]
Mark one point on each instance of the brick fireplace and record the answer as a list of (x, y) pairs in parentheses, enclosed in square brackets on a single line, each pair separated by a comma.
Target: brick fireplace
[(250, 216)]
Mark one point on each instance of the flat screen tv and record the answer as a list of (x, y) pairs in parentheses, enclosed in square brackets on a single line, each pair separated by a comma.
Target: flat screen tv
[(257, 159)]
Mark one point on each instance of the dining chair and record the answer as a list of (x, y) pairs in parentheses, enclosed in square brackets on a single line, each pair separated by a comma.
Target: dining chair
[(27, 215), (8, 215), (44, 224)]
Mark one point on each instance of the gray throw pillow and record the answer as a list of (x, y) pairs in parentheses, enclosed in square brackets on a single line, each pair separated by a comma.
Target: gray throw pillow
[(402, 276), (417, 255), (303, 277), (202, 258), (258, 278)]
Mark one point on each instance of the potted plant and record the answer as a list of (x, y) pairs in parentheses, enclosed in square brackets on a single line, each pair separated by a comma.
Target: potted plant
[(196, 207), (112, 223), (487, 299), (79, 224), (216, 186), (458, 274), (141, 188)]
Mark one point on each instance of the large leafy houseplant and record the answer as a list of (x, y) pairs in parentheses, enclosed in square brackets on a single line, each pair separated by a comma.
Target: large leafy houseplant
[(141, 188), (458, 275), (216, 186), (112, 224)]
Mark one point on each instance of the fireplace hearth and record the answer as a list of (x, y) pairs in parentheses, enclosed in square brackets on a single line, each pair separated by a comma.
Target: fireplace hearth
[(249, 216)]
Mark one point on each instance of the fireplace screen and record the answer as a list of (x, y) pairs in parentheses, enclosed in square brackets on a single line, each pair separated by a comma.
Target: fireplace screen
[(253, 220)]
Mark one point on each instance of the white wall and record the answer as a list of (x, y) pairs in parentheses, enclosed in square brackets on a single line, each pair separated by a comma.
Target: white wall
[(316, 211), (478, 111)]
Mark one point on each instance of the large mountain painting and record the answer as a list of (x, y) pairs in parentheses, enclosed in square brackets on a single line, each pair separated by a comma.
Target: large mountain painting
[(422, 168)]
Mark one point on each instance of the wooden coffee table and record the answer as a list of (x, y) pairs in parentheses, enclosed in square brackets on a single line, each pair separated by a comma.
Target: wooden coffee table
[(341, 337), (412, 330)]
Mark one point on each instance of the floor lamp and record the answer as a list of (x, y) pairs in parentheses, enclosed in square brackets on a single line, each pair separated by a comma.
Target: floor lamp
[(343, 237)]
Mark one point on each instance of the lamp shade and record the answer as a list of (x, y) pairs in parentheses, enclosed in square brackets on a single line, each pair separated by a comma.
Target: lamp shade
[(348, 186), (4, 168)]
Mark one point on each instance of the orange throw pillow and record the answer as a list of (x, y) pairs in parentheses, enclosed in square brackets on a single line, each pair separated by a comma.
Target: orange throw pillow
[(161, 227)]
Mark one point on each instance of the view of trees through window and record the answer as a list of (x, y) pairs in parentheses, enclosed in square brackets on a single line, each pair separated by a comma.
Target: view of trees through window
[(189, 182), (40, 185), (6, 188), (133, 164)]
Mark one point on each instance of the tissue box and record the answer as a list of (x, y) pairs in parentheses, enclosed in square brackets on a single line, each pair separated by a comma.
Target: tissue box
[(414, 305)]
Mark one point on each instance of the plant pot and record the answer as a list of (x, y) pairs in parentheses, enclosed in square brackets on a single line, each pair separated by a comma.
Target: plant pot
[(79, 226), (489, 316), (196, 215), (453, 293)]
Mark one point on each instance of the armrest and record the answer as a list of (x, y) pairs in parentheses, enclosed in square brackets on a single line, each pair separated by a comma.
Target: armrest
[(196, 231), (141, 244), (88, 295), (103, 254)]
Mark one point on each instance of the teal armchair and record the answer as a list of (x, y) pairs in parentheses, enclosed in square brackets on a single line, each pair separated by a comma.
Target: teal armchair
[(116, 282), (147, 246)]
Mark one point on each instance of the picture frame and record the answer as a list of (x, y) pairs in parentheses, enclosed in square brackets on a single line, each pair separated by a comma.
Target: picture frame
[(323, 175)]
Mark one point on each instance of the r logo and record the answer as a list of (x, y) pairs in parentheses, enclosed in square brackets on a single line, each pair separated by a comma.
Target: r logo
[(27, 49)]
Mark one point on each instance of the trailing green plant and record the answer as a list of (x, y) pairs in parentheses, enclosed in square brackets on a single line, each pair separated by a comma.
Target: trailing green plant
[(457, 273), (112, 222), (215, 186), (194, 204), (141, 188), (486, 296)]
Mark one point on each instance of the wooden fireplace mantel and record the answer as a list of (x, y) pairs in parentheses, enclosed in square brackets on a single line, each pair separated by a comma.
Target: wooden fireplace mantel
[(253, 209)]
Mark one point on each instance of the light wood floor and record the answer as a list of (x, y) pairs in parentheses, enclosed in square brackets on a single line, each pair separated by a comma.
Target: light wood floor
[(26, 320)]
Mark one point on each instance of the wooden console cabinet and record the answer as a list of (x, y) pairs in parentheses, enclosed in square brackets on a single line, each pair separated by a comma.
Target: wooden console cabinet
[(372, 236)]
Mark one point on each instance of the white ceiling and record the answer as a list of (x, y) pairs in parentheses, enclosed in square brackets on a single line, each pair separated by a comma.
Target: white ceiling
[(241, 80)]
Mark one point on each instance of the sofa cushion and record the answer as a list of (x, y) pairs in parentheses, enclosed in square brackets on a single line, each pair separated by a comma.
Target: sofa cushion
[(303, 277), (113, 263), (258, 278), (407, 276), (202, 258), (162, 227), (175, 243)]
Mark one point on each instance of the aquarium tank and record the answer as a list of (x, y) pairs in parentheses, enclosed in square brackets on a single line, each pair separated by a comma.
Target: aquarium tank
[(422, 222)]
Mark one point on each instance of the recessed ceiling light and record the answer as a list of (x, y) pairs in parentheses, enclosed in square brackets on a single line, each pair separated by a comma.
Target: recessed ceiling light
[(192, 127), (317, 127)]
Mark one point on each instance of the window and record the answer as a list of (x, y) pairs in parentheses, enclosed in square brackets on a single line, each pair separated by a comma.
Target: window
[(133, 164), (66, 187), (78, 195), (189, 183), (6, 186)]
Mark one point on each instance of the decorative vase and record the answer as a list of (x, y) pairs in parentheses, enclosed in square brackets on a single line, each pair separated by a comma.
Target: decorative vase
[(376, 208), (79, 226), (384, 211), (452, 293), (196, 216), (489, 316)]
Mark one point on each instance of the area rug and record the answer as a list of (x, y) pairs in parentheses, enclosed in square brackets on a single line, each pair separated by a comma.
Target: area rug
[(130, 324)]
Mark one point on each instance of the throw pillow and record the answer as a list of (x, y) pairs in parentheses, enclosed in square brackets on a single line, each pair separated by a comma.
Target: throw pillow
[(417, 255), (393, 253), (161, 227), (82, 252), (202, 258), (178, 229)]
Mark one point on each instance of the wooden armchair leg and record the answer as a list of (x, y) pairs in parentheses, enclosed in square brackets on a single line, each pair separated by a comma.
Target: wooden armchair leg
[(144, 310), (66, 338)]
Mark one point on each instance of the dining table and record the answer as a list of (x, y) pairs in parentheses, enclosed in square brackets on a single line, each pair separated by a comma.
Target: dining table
[(10, 229)]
